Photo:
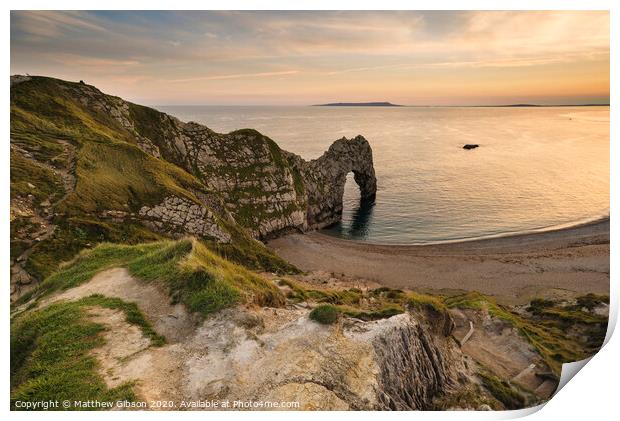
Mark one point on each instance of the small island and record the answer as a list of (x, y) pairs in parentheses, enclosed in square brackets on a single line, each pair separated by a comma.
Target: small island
[(358, 104)]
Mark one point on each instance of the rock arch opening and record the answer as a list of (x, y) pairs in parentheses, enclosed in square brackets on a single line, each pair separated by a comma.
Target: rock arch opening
[(329, 177), (356, 210)]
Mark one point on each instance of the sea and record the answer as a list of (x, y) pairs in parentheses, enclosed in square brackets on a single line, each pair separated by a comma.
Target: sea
[(536, 168)]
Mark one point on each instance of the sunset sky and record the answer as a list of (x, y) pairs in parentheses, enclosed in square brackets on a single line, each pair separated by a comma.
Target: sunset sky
[(300, 58)]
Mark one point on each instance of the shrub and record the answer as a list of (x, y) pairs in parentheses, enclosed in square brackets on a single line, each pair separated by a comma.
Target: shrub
[(325, 314)]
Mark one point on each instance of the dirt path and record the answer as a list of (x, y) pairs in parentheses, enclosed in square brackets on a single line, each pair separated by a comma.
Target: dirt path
[(127, 356), (171, 321), (42, 216)]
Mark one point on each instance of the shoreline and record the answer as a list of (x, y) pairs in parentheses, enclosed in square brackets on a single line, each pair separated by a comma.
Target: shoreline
[(553, 263), (589, 227), (534, 231)]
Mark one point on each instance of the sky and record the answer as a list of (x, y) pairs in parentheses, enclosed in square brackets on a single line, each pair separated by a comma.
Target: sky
[(302, 58)]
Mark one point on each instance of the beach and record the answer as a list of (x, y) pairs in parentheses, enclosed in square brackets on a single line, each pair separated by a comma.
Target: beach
[(553, 264)]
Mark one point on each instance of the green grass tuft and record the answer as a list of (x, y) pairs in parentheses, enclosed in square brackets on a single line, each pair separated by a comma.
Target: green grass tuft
[(426, 302), (325, 314), (133, 315), (384, 312), (502, 391), (591, 301)]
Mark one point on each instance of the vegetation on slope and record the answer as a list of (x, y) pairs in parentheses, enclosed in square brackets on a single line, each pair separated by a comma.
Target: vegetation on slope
[(52, 119), (50, 352), (28, 177), (120, 176), (249, 253), (74, 234), (502, 390), (548, 329), (379, 303), (193, 274), (325, 314)]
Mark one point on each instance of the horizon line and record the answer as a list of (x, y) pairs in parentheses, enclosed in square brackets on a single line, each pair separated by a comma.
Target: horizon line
[(515, 105)]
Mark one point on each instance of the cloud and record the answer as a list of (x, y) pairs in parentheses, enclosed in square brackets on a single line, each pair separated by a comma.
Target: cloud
[(236, 76), (76, 60), (53, 23), (329, 51)]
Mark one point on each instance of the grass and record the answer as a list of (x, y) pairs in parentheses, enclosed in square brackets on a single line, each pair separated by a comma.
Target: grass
[(426, 302), (193, 274), (379, 303), (547, 331), (77, 233), (384, 312), (47, 185), (502, 391), (120, 176), (50, 352), (133, 315), (325, 314), (246, 251), (148, 123), (49, 108), (591, 301), (331, 296)]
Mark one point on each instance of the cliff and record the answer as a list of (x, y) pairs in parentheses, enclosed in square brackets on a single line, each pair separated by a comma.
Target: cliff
[(88, 167)]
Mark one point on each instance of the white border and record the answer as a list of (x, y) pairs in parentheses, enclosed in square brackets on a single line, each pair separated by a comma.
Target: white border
[(591, 395)]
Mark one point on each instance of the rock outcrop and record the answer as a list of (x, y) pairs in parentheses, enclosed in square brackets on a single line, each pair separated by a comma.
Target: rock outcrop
[(266, 189), (178, 215), (325, 178)]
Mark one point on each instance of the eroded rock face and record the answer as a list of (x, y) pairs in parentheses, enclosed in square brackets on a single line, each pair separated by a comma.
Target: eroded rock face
[(413, 368), (263, 354), (280, 355), (177, 215), (268, 190), (394, 363)]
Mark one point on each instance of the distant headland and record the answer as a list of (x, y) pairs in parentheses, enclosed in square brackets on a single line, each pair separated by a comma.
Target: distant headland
[(358, 104)]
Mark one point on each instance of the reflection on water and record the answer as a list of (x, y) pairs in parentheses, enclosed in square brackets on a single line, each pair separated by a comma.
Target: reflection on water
[(357, 217)]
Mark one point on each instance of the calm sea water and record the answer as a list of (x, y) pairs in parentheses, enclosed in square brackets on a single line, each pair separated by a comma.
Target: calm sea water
[(536, 168)]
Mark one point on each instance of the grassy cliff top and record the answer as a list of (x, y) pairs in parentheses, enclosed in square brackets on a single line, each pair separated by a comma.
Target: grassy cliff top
[(79, 156)]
